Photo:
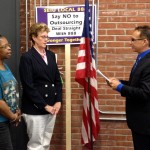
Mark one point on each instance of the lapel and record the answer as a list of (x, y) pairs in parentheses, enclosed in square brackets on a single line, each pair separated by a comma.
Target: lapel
[(41, 62), (133, 71), (134, 68), (142, 61)]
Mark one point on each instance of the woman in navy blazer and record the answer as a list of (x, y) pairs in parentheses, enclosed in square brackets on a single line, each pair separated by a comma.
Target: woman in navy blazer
[(137, 89), (42, 89)]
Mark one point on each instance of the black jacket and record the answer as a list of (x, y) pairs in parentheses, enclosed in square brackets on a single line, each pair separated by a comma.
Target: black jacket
[(137, 93), (41, 82)]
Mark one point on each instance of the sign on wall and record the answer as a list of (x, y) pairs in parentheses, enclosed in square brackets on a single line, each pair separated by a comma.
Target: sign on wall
[(65, 23)]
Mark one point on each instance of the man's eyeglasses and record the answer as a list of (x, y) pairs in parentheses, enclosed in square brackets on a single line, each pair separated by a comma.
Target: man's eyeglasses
[(132, 39), (6, 46)]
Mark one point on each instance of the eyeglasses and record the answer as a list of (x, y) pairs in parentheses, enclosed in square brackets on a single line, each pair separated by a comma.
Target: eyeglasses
[(132, 39), (44, 37), (6, 46)]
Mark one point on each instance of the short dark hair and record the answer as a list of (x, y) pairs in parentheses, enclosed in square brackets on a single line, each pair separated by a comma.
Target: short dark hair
[(144, 32)]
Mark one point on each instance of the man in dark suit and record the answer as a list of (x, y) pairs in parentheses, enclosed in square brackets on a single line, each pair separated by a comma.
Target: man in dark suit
[(137, 89), (42, 89)]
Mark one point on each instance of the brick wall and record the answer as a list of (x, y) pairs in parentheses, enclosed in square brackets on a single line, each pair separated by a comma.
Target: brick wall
[(116, 20)]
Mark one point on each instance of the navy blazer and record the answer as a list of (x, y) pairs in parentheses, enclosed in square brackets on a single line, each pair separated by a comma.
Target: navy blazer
[(137, 93), (41, 83)]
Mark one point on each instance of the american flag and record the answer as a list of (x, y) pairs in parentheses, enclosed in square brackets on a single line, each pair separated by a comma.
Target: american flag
[(86, 76)]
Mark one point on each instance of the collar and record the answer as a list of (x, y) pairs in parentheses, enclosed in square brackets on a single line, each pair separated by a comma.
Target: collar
[(42, 54), (141, 55)]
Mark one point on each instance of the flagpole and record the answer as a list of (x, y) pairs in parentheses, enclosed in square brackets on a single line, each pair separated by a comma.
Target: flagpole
[(89, 91), (86, 76), (97, 14), (90, 109)]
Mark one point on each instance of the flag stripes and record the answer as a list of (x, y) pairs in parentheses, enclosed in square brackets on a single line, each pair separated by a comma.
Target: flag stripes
[(86, 76)]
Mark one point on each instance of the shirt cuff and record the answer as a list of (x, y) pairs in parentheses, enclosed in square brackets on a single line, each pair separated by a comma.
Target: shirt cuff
[(119, 87)]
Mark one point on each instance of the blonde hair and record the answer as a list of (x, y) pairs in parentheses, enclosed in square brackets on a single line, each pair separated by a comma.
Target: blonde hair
[(36, 28)]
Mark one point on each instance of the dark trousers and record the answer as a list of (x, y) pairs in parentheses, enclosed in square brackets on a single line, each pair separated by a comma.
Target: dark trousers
[(141, 141), (5, 138)]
